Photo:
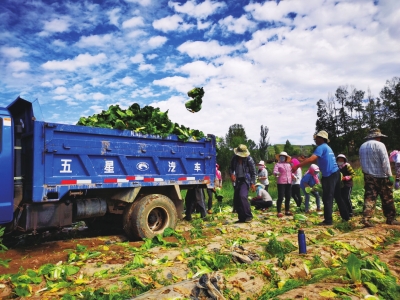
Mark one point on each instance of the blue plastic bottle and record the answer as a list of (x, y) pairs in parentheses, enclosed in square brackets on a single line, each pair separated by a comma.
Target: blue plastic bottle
[(302, 242)]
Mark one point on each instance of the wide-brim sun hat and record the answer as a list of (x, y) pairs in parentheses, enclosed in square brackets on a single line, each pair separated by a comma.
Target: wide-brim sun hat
[(314, 167), (374, 133), (260, 184), (241, 151), (392, 155), (283, 153), (261, 163), (322, 134), (341, 156)]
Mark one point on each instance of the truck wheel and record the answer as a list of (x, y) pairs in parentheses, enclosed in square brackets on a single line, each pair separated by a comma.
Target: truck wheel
[(149, 216)]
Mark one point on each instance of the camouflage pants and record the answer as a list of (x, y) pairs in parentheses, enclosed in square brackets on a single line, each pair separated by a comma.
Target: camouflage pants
[(378, 186)]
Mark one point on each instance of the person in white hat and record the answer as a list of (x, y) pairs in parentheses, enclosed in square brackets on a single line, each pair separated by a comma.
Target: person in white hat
[(378, 179), (307, 184), (347, 181), (263, 174), (263, 199), (326, 162), (283, 173), (243, 175)]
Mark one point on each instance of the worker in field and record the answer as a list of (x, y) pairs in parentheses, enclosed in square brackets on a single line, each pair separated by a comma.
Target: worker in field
[(283, 173), (296, 179), (395, 157), (263, 199), (378, 179), (325, 159), (195, 200), (347, 181), (263, 174), (243, 174), (215, 190)]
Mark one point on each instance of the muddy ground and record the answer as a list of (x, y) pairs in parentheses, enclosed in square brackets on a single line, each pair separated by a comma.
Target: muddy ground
[(172, 277)]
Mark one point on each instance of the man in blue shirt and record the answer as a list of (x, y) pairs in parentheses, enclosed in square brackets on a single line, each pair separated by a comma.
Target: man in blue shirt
[(326, 162)]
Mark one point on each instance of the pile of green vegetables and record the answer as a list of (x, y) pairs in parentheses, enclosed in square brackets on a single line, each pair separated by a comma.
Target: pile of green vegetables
[(195, 104), (145, 120)]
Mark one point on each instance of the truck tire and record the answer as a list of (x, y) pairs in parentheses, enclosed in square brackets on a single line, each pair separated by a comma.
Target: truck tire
[(149, 216)]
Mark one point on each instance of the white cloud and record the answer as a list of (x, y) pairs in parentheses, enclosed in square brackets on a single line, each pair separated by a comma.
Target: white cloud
[(47, 84), (95, 82), (146, 67), (200, 11), (127, 80), (60, 97), (156, 41), (138, 58), (239, 25), (18, 66), (114, 16), (135, 34), (171, 23), (77, 87), (98, 96), (133, 22), (13, 52), (96, 108), (59, 82), (143, 93), (151, 56), (141, 2), (94, 41), (80, 61), (19, 74), (205, 49), (60, 90), (59, 43), (203, 25), (55, 25)]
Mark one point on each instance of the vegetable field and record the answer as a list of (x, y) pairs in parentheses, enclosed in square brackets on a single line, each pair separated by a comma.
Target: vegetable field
[(257, 260)]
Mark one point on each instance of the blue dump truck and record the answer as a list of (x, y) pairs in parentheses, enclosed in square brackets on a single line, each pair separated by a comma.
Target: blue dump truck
[(53, 175)]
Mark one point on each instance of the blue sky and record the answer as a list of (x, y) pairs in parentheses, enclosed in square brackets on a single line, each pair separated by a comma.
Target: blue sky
[(260, 62)]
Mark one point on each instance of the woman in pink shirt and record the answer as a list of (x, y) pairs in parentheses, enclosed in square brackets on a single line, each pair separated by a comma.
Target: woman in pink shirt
[(283, 173)]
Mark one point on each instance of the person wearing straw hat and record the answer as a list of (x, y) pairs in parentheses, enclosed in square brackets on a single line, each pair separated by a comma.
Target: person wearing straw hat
[(263, 199), (263, 174), (378, 179), (330, 181), (243, 174), (283, 173)]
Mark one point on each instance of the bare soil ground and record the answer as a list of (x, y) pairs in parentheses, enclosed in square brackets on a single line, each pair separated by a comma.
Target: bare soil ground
[(173, 278)]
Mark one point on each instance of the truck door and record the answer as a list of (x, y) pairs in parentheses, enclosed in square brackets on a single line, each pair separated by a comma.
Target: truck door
[(6, 167)]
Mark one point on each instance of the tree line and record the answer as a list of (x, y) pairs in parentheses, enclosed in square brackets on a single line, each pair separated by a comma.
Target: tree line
[(348, 115), (259, 151)]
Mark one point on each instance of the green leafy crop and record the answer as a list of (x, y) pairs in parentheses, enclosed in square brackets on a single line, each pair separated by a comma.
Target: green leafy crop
[(195, 104), (145, 120)]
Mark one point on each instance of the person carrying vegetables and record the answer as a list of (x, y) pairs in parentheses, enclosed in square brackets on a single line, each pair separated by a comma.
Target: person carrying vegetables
[(263, 174), (211, 191), (243, 174), (283, 173), (378, 179), (326, 161), (347, 181), (395, 157), (308, 185), (195, 200), (296, 178), (263, 199)]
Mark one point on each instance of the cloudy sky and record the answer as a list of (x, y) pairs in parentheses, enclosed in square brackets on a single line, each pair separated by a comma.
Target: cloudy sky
[(260, 62)]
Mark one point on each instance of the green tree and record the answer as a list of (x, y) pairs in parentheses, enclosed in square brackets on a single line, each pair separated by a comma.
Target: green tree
[(288, 148), (236, 135), (263, 143), (390, 96)]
